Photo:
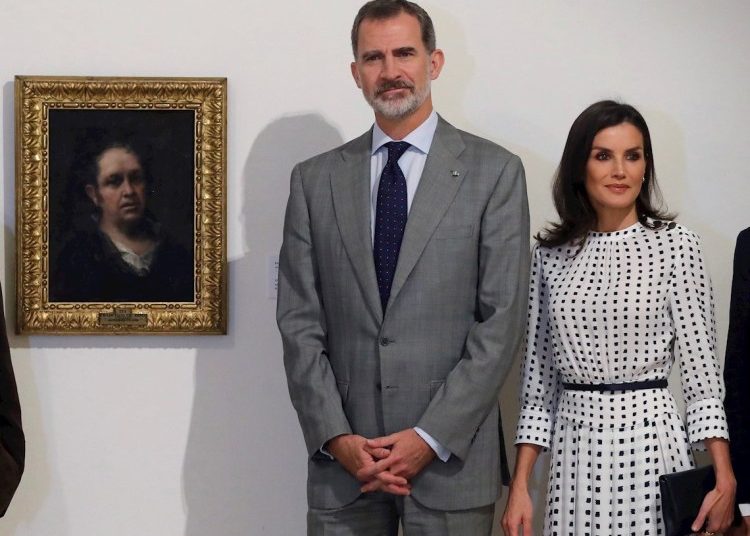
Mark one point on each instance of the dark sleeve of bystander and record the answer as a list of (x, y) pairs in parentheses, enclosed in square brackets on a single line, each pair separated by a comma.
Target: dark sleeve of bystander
[(12, 443), (737, 368)]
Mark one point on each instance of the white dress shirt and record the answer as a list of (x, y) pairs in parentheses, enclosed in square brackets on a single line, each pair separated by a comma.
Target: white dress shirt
[(412, 164)]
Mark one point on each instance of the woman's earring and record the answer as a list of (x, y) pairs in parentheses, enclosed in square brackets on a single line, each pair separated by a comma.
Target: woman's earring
[(643, 179)]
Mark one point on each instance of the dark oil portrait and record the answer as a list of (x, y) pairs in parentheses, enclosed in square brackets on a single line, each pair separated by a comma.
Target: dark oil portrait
[(121, 205)]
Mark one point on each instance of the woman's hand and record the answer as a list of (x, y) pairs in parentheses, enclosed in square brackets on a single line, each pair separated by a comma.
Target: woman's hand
[(518, 512), (717, 510)]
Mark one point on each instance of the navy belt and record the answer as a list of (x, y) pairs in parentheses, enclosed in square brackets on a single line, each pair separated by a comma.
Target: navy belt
[(610, 387)]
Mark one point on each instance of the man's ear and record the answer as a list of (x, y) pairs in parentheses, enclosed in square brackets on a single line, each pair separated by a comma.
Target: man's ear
[(437, 60), (355, 74), (91, 192)]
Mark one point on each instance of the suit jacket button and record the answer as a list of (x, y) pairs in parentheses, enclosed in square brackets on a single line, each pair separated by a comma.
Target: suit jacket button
[(385, 341)]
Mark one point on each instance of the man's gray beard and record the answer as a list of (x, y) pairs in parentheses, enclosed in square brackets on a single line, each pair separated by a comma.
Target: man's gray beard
[(399, 108)]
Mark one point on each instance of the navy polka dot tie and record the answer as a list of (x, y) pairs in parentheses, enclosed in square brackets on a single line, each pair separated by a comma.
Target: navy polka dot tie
[(390, 219)]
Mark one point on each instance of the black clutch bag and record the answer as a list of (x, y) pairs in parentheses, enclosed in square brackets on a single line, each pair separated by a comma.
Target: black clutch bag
[(682, 494)]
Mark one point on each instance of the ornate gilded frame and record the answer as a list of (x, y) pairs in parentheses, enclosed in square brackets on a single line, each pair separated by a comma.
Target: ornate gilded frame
[(35, 97)]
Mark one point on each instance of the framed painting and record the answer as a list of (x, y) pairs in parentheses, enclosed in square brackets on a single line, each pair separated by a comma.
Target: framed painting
[(121, 205)]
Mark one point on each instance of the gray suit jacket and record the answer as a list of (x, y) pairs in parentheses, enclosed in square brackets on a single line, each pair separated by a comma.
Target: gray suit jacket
[(439, 355)]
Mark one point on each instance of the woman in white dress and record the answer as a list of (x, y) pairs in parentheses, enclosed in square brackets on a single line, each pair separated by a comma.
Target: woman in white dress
[(617, 295)]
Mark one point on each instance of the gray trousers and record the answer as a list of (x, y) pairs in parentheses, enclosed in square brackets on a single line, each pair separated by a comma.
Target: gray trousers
[(379, 514)]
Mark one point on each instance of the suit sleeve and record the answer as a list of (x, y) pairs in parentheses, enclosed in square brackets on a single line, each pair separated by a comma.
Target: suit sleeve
[(471, 389), (737, 367), (301, 320), (12, 445)]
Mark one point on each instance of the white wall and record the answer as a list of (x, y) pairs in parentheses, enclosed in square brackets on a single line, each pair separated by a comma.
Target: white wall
[(195, 436)]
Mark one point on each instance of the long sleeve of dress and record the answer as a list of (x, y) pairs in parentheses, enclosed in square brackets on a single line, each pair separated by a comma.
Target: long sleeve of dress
[(540, 381), (692, 307)]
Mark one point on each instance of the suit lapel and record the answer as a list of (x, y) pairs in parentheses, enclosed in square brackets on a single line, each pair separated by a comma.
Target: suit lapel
[(350, 186), (441, 178)]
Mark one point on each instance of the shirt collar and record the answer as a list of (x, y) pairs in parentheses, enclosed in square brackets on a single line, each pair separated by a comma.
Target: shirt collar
[(419, 138), (140, 263)]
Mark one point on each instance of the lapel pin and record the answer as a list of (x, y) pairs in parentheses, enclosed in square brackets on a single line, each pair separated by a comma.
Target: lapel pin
[(455, 173)]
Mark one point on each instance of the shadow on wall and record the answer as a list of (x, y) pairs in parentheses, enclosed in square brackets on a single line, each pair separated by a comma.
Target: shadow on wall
[(509, 405), (245, 463)]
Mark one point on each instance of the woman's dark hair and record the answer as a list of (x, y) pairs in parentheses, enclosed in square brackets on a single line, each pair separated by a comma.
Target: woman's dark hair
[(577, 215)]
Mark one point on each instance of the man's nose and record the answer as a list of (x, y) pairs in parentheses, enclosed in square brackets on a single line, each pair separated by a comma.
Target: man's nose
[(390, 69)]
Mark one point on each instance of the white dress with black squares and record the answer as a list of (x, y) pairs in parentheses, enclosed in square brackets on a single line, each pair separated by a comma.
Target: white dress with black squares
[(623, 309)]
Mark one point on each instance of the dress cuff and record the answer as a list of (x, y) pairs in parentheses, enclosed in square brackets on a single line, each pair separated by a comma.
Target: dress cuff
[(706, 418), (440, 451), (535, 426)]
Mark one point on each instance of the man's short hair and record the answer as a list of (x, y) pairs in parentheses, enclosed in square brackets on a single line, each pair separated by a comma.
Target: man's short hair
[(386, 9)]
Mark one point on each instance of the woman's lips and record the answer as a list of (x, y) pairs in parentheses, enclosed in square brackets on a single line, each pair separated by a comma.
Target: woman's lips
[(618, 188)]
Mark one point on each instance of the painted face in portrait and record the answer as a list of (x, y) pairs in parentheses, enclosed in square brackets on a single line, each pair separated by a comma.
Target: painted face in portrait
[(393, 67), (614, 172), (120, 191)]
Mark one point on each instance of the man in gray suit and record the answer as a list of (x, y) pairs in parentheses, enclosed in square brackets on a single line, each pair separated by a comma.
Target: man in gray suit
[(402, 290)]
